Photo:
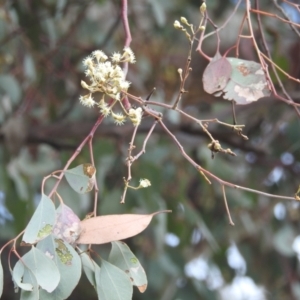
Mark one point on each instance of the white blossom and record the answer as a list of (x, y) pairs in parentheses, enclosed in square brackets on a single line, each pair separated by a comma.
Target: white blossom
[(87, 100), (128, 55), (100, 55), (135, 115), (116, 57), (119, 118), (144, 183), (107, 77)]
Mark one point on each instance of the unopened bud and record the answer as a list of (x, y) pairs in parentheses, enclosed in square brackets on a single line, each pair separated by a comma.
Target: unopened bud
[(177, 25), (203, 8), (184, 21), (84, 85)]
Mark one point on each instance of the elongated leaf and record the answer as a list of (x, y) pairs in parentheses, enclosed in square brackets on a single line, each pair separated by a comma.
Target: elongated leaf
[(81, 178), (30, 295), (89, 268), (68, 263), (122, 257), (17, 275), (42, 221), (112, 283), (43, 267), (105, 229), (1, 278), (247, 82), (216, 74)]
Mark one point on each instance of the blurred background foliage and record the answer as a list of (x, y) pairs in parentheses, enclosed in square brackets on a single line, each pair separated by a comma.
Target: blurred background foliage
[(192, 253)]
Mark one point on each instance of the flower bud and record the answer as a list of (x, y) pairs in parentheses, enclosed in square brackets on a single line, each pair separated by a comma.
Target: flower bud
[(183, 20), (203, 8), (177, 25), (84, 85)]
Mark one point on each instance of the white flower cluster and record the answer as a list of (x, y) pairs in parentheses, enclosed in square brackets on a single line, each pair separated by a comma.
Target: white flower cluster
[(144, 183), (107, 77)]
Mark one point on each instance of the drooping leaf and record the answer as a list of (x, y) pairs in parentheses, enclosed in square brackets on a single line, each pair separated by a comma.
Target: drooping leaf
[(30, 295), (105, 229), (17, 275), (247, 82), (68, 263), (42, 221), (1, 278), (81, 178), (43, 268), (216, 75), (89, 268), (112, 283), (67, 225), (122, 257)]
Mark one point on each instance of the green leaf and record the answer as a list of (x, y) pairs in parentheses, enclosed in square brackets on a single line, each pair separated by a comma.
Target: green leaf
[(68, 263), (112, 283), (122, 257), (247, 82), (89, 268), (30, 295), (1, 278), (81, 178), (42, 221), (43, 267), (17, 275)]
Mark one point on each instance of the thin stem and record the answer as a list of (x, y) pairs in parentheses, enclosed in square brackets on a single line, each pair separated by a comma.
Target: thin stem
[(277, 67), (185, 75), (273, 65), (128, 37), (233, 112), (226, 206), (226, 22), (199, 47), (145, 142), (216, 178), (292, 24), (261, 12), (129, 163), (96, 189), (76, 153)]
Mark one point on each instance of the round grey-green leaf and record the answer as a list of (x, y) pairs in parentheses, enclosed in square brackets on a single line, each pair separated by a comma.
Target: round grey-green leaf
[(247, 82), (68, 263), (112, 282), (44, 269), (122, 257), (42, 221), (81, 178)]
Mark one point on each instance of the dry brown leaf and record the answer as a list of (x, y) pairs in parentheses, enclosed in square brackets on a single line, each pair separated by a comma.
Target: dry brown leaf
[(105, 229)]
